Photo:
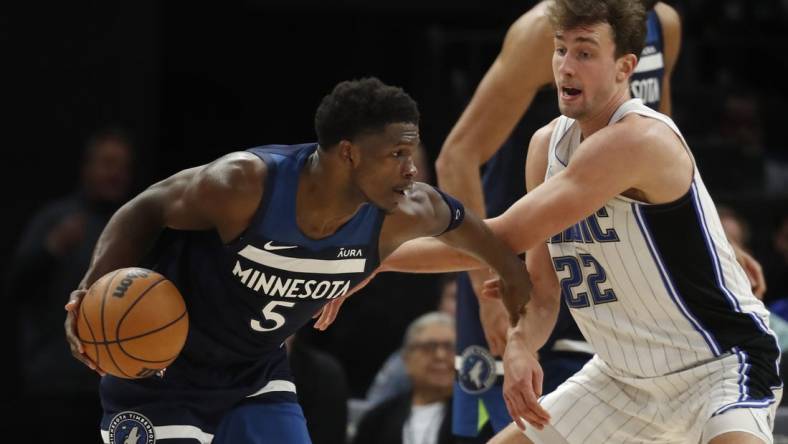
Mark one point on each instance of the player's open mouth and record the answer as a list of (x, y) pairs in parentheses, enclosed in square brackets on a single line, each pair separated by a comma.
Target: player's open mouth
[(403, 189), (567, 92)]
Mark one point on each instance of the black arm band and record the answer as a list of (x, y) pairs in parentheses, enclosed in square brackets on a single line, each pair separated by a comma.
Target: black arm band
[(455, 207)]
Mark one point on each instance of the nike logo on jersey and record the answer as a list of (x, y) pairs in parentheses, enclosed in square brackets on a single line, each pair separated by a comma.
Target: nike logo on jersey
[(270, 247)]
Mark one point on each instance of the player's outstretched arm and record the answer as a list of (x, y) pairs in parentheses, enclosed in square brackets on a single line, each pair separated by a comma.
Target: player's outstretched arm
[(636, 153), (437, 214), (223, 195)]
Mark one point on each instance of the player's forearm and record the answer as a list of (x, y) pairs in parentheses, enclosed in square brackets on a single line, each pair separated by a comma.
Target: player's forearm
[(429, 255), (535, 327), (126, 238), (476, 239)]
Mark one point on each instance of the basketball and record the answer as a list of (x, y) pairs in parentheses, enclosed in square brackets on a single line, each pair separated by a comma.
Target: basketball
[(132, 323)]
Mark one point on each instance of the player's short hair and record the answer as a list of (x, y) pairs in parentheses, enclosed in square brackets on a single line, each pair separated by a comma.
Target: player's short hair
[(361, 106), (415, 327), (625, 17)]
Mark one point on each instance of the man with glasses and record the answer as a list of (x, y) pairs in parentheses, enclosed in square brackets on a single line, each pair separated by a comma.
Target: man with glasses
[(423, 415)]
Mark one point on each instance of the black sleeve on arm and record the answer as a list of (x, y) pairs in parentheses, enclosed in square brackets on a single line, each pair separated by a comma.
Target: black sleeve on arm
[(456, 208)]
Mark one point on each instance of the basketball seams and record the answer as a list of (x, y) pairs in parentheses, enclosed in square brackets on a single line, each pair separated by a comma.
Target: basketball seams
[(170, 359), (119, 342), (90, 330), (131, 306), (103, 327), (140, 335), (104, 314)]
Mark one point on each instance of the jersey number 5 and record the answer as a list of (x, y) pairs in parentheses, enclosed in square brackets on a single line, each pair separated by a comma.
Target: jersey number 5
[(271, 316), (596, 277)]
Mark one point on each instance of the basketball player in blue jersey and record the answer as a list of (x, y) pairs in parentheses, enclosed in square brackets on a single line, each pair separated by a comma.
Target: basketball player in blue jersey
[(258, 241), (617, 211)]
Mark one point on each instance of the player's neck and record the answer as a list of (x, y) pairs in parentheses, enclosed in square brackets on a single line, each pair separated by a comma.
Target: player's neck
[(323, 201), (601, 118)]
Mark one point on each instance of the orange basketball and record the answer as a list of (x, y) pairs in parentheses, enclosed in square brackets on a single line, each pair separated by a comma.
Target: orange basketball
[(132, 322)]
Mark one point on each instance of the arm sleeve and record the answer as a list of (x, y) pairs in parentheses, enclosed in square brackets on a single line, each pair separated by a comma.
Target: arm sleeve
[(456, 208)]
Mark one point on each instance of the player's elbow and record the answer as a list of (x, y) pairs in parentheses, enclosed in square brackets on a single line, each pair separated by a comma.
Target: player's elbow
[(456, 156), (506, 233), (445, 163)]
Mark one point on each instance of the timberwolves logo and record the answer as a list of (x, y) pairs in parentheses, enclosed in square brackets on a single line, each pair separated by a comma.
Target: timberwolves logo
[(131, 428), (477, 372)]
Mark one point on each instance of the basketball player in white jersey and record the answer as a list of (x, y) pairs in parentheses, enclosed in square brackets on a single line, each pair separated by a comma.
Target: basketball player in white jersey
[(616, 210)]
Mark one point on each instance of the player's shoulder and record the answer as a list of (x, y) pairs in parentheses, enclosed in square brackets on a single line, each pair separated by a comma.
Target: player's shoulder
[(540, 140), (235, 171), (638, 133), (546, 131)]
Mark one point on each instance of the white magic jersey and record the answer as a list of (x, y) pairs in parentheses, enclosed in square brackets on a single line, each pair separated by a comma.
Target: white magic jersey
[(656, 288)]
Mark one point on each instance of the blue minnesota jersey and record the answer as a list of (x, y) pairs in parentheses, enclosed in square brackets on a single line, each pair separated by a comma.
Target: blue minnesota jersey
[(244, 299), (646, 81)]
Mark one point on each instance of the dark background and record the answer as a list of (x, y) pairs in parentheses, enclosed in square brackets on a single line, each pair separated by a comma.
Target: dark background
[(193, 81)]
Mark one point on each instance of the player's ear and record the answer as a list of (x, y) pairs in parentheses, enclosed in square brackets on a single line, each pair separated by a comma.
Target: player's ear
[(347, 152), (625, 66)]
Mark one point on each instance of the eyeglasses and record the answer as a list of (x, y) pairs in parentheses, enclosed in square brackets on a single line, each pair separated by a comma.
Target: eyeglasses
[(432, 346)]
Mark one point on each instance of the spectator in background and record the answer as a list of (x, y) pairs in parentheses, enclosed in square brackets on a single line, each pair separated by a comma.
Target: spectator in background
[(392, 378), (322, 391), (737, 230), (422, 415), (49, 261)]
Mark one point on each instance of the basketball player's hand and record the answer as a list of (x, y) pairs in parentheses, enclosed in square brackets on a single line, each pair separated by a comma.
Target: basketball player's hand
[(753, 270), (522, 385), (72, 311), (515, 290), (328, 313), (494, 289)]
